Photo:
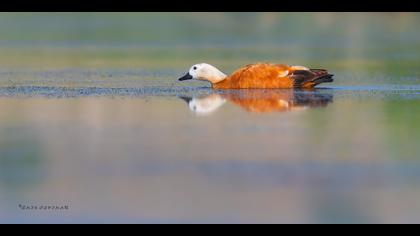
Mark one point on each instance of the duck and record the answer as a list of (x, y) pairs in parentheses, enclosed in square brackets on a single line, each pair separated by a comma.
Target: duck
[(259, 101), (259, 76)]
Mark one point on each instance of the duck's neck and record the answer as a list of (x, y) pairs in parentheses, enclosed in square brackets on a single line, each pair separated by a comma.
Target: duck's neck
[(216, 76)]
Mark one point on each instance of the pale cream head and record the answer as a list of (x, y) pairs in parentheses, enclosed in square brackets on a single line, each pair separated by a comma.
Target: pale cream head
[(204, 71)]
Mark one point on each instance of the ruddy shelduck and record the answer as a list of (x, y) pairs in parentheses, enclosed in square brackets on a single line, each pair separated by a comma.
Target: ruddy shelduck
[(260, 75)]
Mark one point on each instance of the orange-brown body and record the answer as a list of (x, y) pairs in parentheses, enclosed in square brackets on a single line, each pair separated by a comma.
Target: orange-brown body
[(267, 75)]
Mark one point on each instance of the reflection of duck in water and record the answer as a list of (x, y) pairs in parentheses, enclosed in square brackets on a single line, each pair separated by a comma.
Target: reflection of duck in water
[(260, 75), (206, 104), (260, 101)]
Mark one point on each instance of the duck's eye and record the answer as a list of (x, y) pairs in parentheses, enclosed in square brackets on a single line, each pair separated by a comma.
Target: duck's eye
[(194, 68)]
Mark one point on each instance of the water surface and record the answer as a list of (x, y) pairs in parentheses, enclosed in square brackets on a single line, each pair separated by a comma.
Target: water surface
[(92, 117)]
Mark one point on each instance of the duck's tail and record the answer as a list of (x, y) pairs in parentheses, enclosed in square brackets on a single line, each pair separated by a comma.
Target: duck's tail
[(311, 78), (321, 76)]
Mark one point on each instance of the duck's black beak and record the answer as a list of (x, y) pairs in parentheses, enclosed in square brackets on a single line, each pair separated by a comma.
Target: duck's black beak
[(185, 77), (186, 99)]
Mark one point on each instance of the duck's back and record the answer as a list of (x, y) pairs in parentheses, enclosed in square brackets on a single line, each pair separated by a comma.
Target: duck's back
[(266, 75)]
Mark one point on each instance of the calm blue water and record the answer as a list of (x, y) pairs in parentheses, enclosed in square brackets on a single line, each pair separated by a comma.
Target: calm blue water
[(94, 119)]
